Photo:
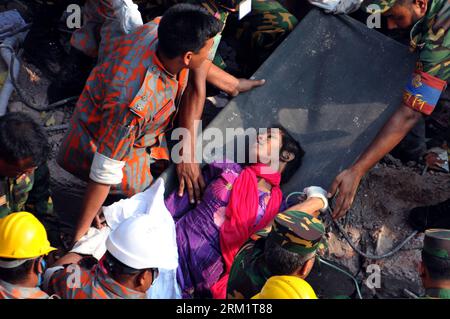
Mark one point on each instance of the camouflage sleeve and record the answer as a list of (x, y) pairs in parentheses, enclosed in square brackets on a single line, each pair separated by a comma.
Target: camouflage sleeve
[(246, 274), (39, 200), (237, 276), (430, 78), (434, 56)]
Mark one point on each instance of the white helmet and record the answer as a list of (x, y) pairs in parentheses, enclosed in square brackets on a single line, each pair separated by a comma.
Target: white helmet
[(141, 242)]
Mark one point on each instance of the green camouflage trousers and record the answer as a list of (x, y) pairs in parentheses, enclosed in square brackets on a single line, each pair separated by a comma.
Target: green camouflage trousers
[(257, 34), (31, 193)]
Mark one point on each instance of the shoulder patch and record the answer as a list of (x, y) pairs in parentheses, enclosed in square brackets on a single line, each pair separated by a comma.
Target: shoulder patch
[(423, 91), (144, 102)]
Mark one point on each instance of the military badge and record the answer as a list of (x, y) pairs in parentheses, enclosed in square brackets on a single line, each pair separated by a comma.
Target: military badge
[(417, 81)]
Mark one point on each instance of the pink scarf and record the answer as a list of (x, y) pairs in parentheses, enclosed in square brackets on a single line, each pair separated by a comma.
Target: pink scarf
[(241, 213)]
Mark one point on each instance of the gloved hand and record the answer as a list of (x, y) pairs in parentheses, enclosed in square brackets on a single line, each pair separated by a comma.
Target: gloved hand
[(337, 6), (127, 14), (346, 6), (317, 192)]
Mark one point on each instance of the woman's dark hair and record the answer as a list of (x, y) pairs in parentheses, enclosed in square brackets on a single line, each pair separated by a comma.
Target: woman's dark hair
[(282, 262), (289, 144), (438, 268), (14, 275), (21, 138), (186, 27)]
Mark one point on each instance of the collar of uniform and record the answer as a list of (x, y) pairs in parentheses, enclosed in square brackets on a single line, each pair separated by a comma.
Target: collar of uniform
[(23, 292), (415, 29), (413, 34), (116, 288), (438, 293)]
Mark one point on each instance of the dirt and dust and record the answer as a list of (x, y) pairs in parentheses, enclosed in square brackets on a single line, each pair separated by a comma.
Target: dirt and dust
[(378, 221)]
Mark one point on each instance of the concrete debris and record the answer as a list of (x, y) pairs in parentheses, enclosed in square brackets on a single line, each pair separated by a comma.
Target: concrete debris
[(379, 221)]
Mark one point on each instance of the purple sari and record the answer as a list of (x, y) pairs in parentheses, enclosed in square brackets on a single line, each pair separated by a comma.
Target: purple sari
[(197, 227)]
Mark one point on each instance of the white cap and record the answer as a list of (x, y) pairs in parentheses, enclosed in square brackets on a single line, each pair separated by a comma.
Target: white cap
[(141, 242)]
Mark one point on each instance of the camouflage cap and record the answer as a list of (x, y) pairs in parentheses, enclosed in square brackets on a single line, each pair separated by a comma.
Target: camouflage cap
[(297, 232), (437, 243), (383, 5)]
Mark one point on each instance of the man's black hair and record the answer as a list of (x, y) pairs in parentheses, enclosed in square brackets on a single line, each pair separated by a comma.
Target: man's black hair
[(282, 262), (22, 138), (438, 268), (15, 275), (186, 27), (290, 145), (117, 268)]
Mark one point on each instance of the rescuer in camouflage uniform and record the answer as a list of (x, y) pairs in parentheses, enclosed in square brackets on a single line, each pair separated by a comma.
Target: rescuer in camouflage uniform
[(28, 192), (258, 33), (429, 37), (425, 94), (24, 175), (435, 267), (295, 236)]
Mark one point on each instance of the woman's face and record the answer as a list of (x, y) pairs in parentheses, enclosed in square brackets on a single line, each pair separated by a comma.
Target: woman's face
[(268, 146)]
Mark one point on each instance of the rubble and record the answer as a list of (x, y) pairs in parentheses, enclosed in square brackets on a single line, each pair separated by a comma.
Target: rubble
[(378, 222)]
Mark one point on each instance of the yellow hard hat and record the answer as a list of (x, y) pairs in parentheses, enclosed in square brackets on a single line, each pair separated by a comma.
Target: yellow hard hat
[(286, 287), (23, 236)]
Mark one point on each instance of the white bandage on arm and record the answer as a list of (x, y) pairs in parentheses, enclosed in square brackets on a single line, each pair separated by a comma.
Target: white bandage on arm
[(105, 170)]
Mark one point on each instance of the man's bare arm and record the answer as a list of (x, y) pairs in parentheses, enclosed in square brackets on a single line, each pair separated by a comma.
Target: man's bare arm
[(189, 174), (94, 198), (228, 83), (69, 258), (191, 109), (311, 206), (347, 182)]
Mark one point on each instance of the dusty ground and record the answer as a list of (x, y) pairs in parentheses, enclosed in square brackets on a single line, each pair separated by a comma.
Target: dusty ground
[(376, 222)]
